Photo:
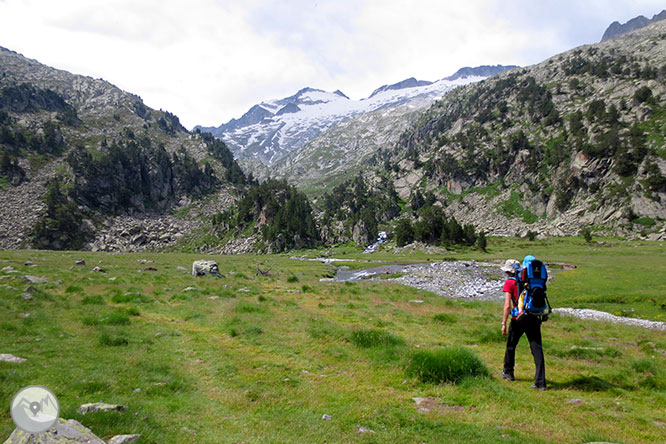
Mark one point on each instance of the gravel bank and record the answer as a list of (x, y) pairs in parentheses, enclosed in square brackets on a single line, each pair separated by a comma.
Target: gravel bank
[(457, 280)]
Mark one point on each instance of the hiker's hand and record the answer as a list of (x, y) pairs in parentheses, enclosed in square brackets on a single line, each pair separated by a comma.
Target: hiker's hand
[(504, 329)]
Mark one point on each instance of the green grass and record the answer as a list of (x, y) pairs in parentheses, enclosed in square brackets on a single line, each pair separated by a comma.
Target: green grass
[(249, 358), (512, 208)]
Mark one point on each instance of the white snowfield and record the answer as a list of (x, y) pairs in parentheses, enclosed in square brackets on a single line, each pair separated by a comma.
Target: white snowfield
[(595, 315), (277, 135)]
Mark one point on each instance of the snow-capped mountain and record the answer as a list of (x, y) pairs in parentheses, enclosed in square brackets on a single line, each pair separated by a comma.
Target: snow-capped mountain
[(272, 129)]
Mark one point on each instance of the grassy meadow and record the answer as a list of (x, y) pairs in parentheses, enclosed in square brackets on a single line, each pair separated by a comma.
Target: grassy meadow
[(261, 359)]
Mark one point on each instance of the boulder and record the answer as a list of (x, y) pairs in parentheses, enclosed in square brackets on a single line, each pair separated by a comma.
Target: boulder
[(63, 432), (100, 407), (202, 268)]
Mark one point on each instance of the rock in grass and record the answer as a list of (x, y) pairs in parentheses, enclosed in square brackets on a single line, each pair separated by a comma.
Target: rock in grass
[(63, 432), (79, 262), (362, 430), (124, 439), (326, 417), (202, 268), (426, 404), (27, 296), (179, 268), (6, 357), (35, 279), (98, 270), (101, 407)]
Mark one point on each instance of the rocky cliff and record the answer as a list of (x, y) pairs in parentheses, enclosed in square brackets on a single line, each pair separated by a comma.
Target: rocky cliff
[(81, 144)]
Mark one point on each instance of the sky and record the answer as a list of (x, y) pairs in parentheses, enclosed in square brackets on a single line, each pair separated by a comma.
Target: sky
[(208, 61)]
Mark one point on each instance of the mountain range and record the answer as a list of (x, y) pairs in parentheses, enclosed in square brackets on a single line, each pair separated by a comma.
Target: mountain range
[(271, 130), (576, 141)]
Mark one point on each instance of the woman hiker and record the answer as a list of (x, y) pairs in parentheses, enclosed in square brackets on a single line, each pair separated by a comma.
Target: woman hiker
[(530, 325)]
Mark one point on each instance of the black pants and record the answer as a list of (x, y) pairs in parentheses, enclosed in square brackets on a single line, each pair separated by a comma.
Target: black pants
[(531, 326)]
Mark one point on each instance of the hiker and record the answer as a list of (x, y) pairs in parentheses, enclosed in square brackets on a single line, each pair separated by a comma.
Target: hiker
[(529, 325)]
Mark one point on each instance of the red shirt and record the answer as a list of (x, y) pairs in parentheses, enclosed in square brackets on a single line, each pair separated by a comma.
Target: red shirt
[(511, 286)]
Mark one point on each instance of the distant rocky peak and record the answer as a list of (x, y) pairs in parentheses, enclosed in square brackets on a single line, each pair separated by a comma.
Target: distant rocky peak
[(407, 83), (480, 71), (307, 96), (616, 29), (341, 94)]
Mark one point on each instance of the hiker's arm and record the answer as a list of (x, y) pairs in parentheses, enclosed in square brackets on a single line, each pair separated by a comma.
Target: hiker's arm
[(507, 310)]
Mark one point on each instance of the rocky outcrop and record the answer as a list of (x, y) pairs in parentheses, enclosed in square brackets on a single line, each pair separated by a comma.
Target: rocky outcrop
[(616, 29), (63, 432)]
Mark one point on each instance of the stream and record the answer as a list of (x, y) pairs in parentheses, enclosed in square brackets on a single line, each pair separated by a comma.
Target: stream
[(473, 280)]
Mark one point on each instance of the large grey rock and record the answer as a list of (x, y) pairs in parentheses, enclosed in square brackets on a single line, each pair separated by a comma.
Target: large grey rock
[(101, 407), (202, 268), (63, 432), (35, 279)]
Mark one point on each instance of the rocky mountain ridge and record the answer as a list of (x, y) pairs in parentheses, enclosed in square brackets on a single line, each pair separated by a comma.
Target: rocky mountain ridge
[(114, 158), (575, 141), (617, 29)]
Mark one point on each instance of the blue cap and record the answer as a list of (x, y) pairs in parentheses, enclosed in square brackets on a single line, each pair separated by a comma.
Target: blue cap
[(529, 258)]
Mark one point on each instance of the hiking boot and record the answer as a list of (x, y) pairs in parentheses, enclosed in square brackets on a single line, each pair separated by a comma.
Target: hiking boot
[(506, 375), (539, 387)]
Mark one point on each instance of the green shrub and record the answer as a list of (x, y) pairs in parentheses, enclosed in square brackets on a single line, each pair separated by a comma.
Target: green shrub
[(643, 94), (292, 279), (445, 318), (134, 297), (118, 318), (451, 364), (73, 289), (249, 307), (90, 320), (646, 222), (113, 340), (367, 338), (115, 319), (133, 311), (93, 300), (645, 365)]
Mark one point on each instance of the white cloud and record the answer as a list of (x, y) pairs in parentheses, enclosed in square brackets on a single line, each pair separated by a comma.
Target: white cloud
[(210, 60)]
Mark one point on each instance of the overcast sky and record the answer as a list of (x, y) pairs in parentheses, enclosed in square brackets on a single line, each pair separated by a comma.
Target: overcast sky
[(210, 60)]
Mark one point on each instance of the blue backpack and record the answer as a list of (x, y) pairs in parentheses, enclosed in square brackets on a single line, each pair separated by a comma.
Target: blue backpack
[(532, 281)]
